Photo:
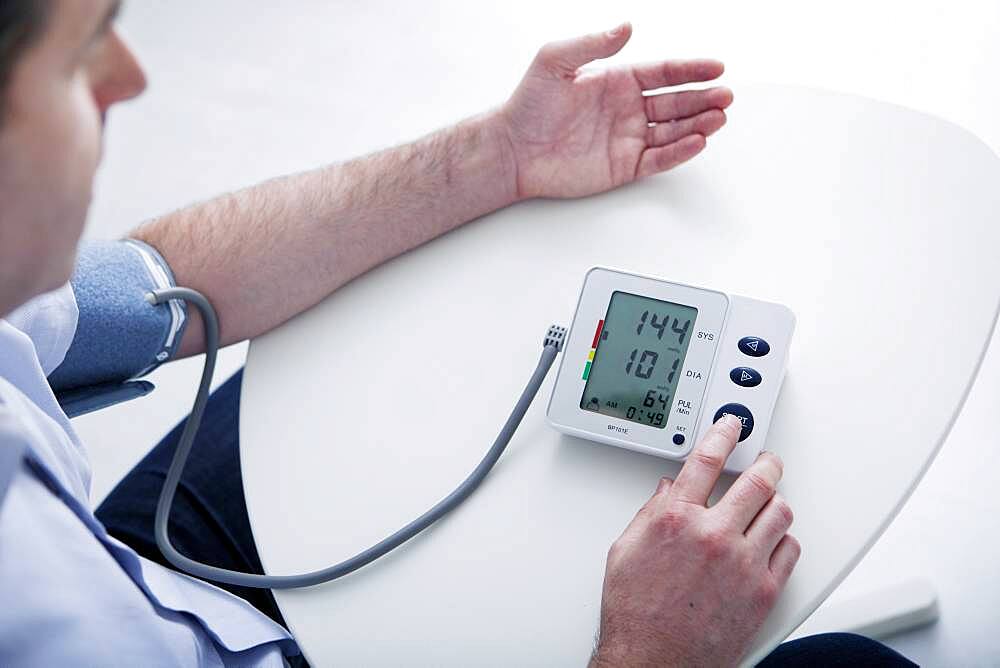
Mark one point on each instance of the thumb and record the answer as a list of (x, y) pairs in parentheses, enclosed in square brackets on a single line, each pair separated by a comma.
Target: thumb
[(570, 54), (663, 485)]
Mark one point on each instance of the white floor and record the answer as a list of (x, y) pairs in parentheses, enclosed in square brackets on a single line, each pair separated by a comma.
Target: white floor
[(943, 61)]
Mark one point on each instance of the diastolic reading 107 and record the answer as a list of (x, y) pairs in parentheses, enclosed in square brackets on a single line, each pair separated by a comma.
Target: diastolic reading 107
[(639, 358)]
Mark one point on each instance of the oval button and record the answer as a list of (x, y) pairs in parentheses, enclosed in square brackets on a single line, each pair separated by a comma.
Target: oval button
[(754, 346), (740, 411), (744, 376)]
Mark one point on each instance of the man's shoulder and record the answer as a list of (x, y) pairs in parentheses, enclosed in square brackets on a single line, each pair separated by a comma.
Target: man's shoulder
[(13, 449), (24, 426), (13, 422), (50, 321)]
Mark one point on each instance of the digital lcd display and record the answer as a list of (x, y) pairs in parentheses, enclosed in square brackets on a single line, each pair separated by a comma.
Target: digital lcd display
[(638, 359)]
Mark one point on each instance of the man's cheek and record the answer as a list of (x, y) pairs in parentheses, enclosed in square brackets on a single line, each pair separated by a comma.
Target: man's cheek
[(68, 147), (86, 123), (75, 150)]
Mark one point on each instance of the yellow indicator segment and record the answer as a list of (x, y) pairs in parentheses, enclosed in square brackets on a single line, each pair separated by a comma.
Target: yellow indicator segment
[(590, 356)]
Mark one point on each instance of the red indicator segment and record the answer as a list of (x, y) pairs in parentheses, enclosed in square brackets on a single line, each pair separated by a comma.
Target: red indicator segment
[(597, 334)]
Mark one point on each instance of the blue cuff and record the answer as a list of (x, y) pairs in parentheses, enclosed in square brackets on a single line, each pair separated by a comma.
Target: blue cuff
[(119, 334)]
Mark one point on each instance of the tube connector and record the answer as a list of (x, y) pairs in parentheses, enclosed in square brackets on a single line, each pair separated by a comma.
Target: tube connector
[(556, 336)]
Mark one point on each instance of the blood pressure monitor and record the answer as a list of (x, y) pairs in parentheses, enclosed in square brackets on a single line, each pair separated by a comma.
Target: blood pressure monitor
[(649, 365)]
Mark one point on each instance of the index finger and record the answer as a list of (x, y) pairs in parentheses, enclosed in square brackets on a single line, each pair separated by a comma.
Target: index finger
[(676, 72), (704, 465)]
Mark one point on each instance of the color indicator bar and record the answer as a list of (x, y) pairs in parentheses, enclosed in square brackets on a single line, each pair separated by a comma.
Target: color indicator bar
[(597, 334), (593, 349)]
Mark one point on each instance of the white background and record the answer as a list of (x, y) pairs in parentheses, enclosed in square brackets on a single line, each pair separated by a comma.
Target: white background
[(236, 96)]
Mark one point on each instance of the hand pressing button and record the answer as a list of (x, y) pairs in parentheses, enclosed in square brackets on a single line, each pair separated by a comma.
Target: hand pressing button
[(740, 411)]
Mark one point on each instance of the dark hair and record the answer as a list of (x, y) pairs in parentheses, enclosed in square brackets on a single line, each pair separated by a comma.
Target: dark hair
[(21, 21)]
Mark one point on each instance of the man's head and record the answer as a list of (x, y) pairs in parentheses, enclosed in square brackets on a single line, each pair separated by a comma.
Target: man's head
[(62, 66)]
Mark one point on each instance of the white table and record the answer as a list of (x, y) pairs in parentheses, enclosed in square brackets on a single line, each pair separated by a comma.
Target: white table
[(875, 224)]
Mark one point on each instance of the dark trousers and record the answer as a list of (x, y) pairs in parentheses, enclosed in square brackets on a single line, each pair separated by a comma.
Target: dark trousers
[(209, 523)]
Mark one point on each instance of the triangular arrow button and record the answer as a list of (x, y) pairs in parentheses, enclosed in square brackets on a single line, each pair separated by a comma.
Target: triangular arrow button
[(744, 376), (754, 346)]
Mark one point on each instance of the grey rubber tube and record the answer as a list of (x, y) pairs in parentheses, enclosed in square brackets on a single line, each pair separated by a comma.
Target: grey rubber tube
[(551, 347)]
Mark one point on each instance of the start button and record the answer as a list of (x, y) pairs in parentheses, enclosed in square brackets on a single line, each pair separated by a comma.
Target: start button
[(740, 411)]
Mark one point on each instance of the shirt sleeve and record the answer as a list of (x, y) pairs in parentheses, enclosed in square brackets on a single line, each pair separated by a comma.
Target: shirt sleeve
[(118, 334)]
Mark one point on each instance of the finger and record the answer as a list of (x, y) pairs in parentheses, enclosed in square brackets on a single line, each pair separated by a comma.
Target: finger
[(670, 106), (661, 158), (784, 558), (676, 72), (770, 525), (651, 507), (663, 486), (706, 123), (751, 491), (704, 465), (568, 55)]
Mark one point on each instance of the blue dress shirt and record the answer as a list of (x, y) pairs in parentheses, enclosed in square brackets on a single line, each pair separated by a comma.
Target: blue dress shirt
[(72, 594)]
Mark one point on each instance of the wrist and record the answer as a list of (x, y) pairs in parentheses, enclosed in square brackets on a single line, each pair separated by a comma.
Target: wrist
[(603, 658), (608, 655), (613, 654), (496, 132)]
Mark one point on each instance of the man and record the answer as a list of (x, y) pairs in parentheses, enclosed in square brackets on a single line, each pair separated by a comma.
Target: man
[(685, 584)]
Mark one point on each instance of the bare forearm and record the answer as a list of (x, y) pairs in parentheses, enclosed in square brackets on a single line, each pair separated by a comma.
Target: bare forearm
[(265, 254)]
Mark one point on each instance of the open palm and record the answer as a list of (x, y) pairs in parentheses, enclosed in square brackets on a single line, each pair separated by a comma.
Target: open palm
[(575, 132)]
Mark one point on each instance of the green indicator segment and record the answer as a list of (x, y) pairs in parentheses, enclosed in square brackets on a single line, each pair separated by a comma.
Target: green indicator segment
[(586, 371)]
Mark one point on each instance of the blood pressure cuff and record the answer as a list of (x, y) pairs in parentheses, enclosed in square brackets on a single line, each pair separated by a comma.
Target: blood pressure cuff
[(119, 335)]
